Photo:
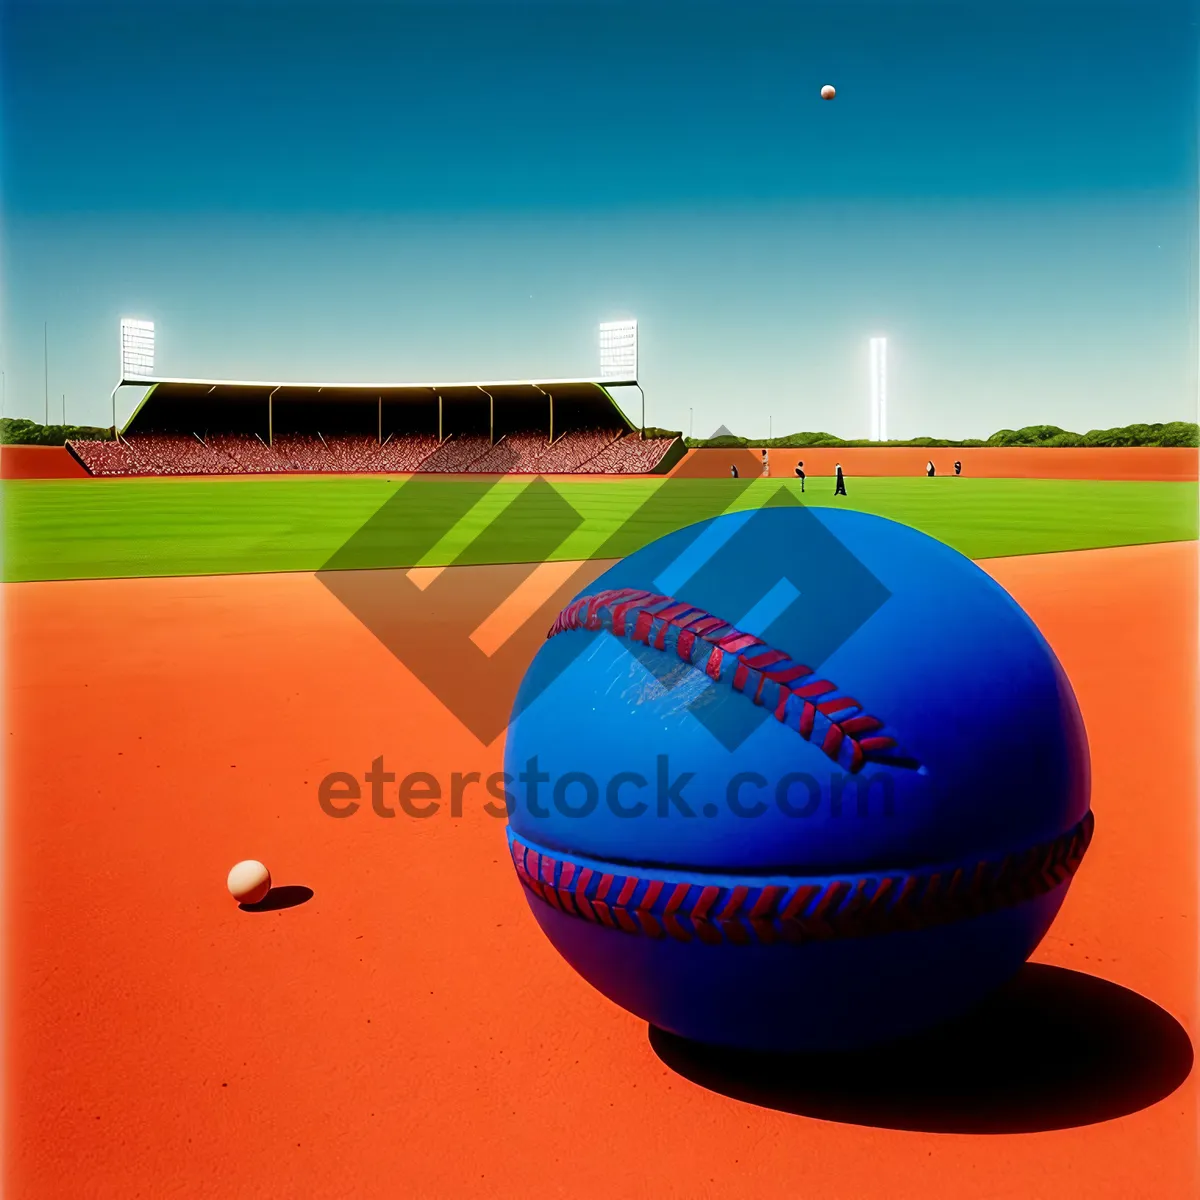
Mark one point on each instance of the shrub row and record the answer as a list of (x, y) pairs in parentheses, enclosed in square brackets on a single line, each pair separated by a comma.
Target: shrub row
[(1173, 433)]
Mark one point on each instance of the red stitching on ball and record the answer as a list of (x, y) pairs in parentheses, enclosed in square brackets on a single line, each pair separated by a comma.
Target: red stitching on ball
[(857, 906), (655, 619)]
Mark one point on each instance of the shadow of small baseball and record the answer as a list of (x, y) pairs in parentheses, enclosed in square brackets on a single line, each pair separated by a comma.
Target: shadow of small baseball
[(1053, 1049), (288, 896)]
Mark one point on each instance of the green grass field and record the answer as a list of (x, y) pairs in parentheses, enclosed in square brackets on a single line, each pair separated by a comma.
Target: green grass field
[(90, 529)]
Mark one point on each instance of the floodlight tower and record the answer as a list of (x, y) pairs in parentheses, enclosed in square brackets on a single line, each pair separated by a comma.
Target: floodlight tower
[(619, 356), (137, 357), (879, 389)]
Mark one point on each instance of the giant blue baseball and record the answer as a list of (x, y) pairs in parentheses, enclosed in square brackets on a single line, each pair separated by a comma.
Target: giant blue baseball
[(796, 779)]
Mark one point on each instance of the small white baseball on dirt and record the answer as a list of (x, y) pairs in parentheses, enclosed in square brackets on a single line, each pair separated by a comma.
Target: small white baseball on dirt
[(249, 882)]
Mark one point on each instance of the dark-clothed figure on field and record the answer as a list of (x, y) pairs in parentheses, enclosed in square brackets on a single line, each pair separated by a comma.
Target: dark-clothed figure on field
[(930, 469), (957, 467), (839, 488), (733, 471), (800, 473)]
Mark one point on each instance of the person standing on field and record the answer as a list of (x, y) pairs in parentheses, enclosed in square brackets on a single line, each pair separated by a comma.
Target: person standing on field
[(733, 471), (800, 473), (957, 467), (930, 469), (839, 488)]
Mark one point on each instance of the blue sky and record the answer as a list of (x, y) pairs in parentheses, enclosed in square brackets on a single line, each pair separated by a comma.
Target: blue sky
[(368, 191)]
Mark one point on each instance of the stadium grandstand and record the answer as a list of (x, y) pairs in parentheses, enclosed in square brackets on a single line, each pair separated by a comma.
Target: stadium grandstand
[(227, 427)]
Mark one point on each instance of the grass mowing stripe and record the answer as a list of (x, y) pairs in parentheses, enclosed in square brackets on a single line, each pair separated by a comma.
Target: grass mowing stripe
[(458, 538), (85, 529)]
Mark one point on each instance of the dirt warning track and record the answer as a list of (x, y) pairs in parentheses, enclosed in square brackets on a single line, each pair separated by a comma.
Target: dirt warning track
[(982, 462)]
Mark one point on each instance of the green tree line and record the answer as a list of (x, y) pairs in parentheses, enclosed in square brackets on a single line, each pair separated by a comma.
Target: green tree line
[(1172, 433), (16, 431)]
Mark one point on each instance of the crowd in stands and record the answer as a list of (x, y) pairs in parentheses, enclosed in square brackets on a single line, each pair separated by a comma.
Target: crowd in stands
[(567, 454), (592, 451), (403, 454), (628, 455), (456, 454), (249, 454), (302, 453), (106, 458), (517, 453), (178, 454)]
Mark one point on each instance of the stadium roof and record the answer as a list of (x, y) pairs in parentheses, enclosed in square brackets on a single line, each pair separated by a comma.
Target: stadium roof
[(166, 394), (482, 384)]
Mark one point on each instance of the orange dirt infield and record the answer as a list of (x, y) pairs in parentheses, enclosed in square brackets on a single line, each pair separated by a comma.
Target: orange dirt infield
[(409, 1032), (979, 462), (39, 462)]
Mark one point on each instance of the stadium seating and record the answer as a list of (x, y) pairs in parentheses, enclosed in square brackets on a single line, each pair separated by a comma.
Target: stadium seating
[(178, 454), (303, 452), (105, 458), (251, 454), (629, 455), (401, 454), (517, 453), (353, 453), (569, 452), (457, 454), (586, 451)]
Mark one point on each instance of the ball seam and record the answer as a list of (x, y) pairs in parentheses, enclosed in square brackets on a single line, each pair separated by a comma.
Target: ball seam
[(695, 907)]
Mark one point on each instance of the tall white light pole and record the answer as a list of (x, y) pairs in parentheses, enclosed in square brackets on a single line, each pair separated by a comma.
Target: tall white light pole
[(879, 389), (619, 356), (137, 357)]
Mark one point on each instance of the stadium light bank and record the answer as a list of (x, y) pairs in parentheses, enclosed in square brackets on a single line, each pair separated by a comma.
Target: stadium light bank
[(618, 368), (879, 389)]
